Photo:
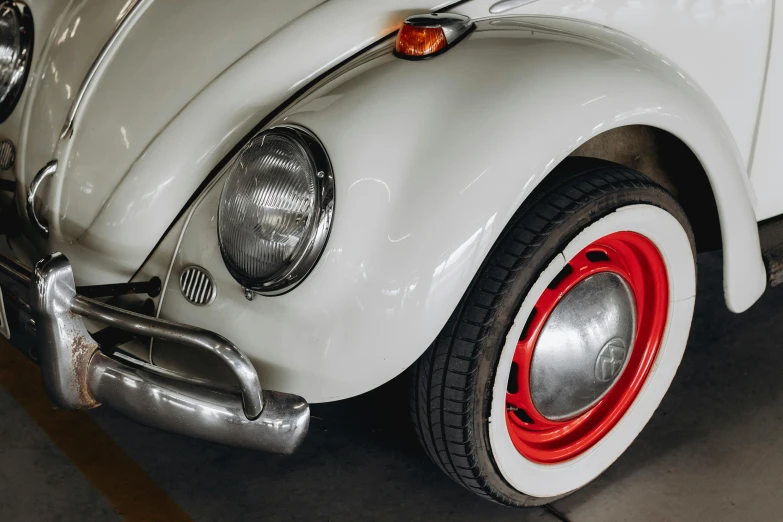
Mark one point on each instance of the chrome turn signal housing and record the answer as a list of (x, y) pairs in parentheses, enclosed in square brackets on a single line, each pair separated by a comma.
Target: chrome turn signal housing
[(428, 35)]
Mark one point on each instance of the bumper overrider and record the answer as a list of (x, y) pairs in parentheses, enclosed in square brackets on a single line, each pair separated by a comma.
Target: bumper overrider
[(79, 374)]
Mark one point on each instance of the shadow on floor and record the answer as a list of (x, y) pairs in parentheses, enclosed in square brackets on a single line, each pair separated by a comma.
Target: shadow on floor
[(361, 459)]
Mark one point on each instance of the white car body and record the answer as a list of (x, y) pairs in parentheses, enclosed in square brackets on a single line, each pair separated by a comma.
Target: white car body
[(431, 159)]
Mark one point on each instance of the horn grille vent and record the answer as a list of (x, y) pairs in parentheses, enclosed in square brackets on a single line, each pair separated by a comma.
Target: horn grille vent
[(197, 286)]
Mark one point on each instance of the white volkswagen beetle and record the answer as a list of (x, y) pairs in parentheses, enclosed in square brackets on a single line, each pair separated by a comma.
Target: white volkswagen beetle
[(205, 201)]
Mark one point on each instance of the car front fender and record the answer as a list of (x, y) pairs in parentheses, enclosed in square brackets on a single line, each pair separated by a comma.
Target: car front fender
[(432, 159)]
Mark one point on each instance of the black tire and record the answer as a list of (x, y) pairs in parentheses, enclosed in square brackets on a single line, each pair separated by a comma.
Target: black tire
[(451, 384)]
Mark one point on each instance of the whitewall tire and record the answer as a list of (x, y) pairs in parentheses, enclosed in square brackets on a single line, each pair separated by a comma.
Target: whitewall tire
[(567, 340)]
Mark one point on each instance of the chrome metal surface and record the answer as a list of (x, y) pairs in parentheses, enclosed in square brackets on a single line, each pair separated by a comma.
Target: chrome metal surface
[(70, 119), (15, 280), (65, 346), (7, 154), (172, 374), (49, 170), (197, 286), (15, 66), (15, 270), (78, 375), (453, 25), (182, 334), (310, 248), (583, 347), (196, 411), (508, 5)]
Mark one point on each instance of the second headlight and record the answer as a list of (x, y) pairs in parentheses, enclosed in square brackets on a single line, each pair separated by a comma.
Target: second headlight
[(16, 53), (276, 209)]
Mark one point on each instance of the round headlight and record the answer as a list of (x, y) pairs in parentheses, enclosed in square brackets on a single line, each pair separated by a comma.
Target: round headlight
[(16, 52), (276, 209)]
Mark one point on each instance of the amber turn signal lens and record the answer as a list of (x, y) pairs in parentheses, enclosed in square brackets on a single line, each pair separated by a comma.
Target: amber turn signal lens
[(420, 41)]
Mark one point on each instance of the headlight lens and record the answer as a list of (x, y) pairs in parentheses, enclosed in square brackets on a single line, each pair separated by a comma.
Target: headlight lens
[(276, 209), (16, 52)]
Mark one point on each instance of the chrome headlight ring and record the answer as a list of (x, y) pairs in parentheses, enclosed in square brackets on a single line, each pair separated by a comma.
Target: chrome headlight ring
[(16, 53), (275, 216)]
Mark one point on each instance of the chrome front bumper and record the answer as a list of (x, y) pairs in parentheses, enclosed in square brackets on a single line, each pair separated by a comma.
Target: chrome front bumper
[(78, 374)]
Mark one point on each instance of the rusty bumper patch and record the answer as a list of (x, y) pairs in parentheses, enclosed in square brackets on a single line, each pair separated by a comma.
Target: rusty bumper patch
[(66, 346)]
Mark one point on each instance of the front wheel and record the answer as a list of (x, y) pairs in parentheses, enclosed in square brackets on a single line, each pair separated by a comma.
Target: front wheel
[(566, 341)]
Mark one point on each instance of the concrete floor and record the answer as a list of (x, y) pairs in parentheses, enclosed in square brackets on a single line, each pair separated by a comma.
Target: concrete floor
[(713, 451)]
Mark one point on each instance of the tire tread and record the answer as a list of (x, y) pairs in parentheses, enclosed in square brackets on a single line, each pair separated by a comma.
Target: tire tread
[(444, 378)]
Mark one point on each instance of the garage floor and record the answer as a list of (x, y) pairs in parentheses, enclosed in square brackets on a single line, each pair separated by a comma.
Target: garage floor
[(713, 451)]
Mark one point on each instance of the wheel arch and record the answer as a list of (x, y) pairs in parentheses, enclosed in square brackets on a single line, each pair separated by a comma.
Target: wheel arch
[(431, 163), (668, 161)]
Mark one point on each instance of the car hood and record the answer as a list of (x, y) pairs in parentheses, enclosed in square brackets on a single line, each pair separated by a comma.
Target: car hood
[(177, 91), (169, 52)]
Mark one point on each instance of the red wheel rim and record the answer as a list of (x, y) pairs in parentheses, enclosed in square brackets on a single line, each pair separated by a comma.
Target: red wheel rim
[(639, 263)]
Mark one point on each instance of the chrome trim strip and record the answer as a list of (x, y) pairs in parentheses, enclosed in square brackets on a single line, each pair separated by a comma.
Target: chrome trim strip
[(124, 22), (49, 170), (508, 5)]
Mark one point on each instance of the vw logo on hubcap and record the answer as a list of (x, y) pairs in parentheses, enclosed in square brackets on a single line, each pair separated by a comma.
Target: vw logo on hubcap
[(611, 360)]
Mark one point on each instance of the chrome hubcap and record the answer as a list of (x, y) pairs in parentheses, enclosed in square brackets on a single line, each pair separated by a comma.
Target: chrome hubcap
[(583, 347)]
